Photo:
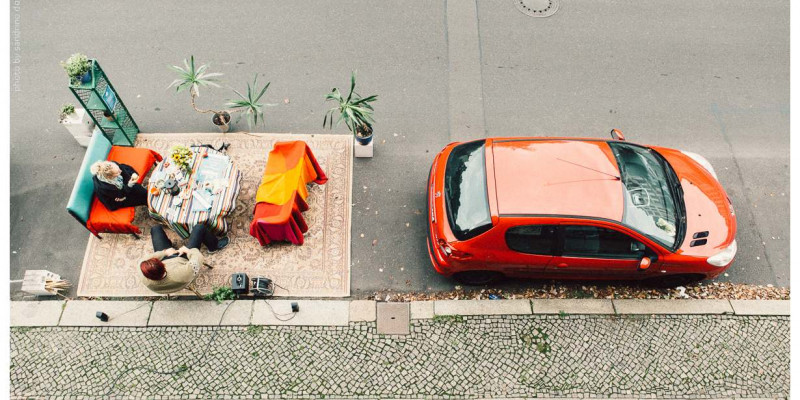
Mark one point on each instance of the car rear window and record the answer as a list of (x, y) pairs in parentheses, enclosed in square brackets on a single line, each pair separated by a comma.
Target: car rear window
[(466, 196)]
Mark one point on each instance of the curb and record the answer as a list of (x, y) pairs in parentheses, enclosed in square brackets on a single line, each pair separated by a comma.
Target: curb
[(342, 312)]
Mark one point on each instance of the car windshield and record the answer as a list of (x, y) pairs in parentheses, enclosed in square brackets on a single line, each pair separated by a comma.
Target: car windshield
[(466, 196), (650, 197)]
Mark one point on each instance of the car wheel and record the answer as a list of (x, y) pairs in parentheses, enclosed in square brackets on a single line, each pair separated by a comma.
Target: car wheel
[(476, 278), (672, 281)]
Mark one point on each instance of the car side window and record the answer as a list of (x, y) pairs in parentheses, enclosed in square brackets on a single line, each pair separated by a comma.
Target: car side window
[(532, 239), (598, 242)]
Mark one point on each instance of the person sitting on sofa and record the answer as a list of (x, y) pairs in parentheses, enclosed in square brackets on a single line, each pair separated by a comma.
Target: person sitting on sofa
[(169, 270), (115, 185)]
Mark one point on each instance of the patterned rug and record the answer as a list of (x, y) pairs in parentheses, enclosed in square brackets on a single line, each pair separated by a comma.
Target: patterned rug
[(318, 268)]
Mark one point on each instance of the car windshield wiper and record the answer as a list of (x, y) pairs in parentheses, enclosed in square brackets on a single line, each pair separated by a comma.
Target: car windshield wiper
[(680, 210)]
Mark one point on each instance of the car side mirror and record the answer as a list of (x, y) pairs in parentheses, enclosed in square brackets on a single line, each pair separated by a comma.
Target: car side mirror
[(616, 134), (645, 263)]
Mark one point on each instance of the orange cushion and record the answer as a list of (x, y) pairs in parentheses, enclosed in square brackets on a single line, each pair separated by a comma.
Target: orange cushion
[(140, 159), (103, 220)]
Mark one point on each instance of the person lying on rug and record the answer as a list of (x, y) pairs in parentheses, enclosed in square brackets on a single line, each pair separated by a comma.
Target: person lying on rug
[(115, 185), (169, 270)]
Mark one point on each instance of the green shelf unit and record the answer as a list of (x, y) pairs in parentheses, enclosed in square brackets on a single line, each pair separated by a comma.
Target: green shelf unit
[(121, 129)]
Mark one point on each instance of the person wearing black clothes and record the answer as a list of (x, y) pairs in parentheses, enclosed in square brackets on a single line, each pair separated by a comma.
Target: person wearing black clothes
[(115, 185)]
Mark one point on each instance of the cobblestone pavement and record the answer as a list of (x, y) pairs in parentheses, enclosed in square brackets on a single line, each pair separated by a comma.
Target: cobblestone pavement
[(451, 357)]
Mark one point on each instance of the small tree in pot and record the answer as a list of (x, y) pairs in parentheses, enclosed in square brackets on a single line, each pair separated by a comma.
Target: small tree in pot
[(355, 111), (192, 78)]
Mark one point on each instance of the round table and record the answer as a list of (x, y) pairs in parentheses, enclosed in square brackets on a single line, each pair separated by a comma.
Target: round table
[(213, 184)]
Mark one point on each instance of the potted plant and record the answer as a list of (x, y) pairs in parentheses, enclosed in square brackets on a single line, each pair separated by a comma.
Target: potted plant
[(78, 68), (192, 78), (250, 104), (355, 111), (77, 122), (66, 111), (109, 116)]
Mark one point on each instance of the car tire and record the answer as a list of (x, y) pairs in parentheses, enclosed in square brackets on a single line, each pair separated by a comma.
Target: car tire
[(478, 278), (672, 281)]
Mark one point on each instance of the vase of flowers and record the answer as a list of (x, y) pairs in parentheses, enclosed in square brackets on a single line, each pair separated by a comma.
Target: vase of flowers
[(182, 157)]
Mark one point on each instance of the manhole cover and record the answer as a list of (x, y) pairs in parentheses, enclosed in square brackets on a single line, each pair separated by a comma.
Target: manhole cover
[(537, 8), (393, 318)]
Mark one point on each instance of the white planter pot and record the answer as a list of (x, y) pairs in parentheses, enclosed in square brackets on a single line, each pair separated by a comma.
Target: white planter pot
[(362, 151), (80, 126)]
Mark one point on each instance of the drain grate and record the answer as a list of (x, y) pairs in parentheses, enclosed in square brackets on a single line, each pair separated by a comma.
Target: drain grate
[(537, 8)]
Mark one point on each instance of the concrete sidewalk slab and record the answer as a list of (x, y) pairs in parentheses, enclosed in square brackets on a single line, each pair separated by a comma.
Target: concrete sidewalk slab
[(362, 311), (120, 313), (760, 307), (312, 312), (675, 307), (200, 313), (421, 309), (36, 313), (572, 306), (482, 307), (393, 319)]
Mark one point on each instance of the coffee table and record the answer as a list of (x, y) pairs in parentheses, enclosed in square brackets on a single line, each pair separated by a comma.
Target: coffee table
[(212, 184)]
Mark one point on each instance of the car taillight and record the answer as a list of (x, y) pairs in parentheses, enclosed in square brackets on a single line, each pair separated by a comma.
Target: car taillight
[(450, 252)]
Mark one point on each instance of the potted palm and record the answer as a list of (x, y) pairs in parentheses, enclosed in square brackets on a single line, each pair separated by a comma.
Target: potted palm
[(78, 68), (250, 104), (192, 78), (354, 110)]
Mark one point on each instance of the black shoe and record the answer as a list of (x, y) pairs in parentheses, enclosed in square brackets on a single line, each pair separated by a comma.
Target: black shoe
[(221, 244)]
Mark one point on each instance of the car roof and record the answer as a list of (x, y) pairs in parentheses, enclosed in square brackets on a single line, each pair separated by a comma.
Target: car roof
[(556, 176)]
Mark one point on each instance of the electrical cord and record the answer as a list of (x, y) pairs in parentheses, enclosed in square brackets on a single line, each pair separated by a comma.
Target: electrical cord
[(280, 317), (178, 370), (129, 311)]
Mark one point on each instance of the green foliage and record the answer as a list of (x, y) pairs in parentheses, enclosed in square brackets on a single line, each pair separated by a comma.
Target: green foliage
[(448, 318), (192, 78), (220, 294), (562, 314), (76, 65), (579, 293), (250, 104), (254, 329), (66, 110), (354, 110), (538, 339)]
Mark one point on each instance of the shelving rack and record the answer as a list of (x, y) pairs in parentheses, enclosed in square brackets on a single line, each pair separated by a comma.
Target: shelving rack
[(99, 98)]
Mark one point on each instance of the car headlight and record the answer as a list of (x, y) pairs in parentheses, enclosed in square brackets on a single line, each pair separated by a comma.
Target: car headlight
[(702, 161), (724, 257)]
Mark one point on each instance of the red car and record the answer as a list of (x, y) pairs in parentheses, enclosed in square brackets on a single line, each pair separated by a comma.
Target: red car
[(579, 209)]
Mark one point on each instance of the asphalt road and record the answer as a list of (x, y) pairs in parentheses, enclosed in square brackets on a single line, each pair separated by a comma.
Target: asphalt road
[(710, 77)]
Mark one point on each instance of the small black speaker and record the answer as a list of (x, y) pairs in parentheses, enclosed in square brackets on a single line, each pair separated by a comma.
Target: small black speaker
[(101, 316), (239, 283), (295, 307)]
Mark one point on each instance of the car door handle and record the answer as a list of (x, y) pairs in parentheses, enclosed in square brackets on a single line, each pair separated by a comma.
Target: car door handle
[(562, 265)]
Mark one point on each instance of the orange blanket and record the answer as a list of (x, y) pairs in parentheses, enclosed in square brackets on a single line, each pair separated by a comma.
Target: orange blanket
[(290, 166)]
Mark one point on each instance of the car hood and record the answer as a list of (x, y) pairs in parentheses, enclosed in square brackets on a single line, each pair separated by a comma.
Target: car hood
[(708, 208)]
